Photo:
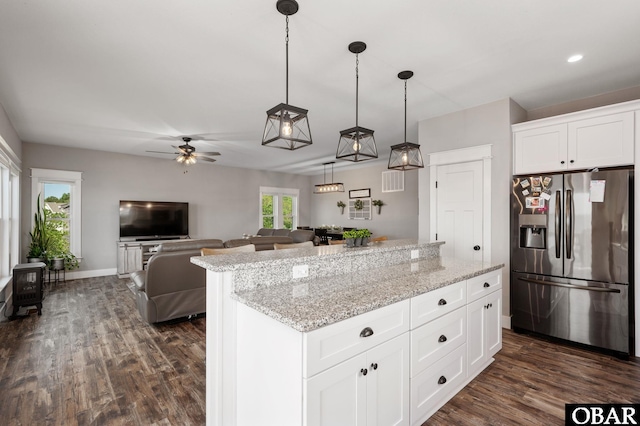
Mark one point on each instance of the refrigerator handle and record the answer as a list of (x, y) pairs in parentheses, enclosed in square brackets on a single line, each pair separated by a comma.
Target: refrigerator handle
[(558, 223), (568, 232)]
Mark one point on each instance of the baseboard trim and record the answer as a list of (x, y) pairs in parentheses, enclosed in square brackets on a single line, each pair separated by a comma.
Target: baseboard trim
[(75, 275), (506, 321)]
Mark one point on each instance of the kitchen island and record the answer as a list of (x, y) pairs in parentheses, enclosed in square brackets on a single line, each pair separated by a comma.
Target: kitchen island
[(383, 334)]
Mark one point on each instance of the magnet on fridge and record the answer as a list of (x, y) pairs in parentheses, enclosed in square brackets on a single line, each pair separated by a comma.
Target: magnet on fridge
[(525, 192), (524, 183)]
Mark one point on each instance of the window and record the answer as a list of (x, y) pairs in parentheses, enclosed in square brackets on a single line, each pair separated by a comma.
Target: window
[(278, 208), (9, 214), (60, 194)]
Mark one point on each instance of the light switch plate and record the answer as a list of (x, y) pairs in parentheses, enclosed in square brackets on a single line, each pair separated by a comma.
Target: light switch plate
[(300, 271)]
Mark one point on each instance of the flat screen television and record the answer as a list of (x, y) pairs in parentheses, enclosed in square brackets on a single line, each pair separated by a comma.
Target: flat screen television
[(148, 220)]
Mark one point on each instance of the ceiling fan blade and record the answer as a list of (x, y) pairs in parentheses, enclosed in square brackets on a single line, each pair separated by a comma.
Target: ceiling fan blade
[(184, 151), (207, 153), (163, 152), (210, 160)]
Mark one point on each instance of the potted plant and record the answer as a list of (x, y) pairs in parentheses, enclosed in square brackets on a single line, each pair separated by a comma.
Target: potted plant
[(364, 235), (378, 204), (358, 205), (350, 237), (341, 205), (39, 235)]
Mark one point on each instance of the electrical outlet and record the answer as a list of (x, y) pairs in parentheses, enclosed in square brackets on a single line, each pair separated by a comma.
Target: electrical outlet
[(300, 271), (415, 267), (415, 254)]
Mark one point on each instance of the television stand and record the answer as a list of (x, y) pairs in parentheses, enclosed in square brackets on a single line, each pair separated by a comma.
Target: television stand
[(134, 255)]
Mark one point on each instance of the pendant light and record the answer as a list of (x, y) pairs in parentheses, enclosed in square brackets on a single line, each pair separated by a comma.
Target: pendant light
[(406, 155), (326, 188), (357, 143), (287, 126)]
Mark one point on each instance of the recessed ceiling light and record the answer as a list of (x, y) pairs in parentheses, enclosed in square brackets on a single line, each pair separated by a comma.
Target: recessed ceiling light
[(574, 58)]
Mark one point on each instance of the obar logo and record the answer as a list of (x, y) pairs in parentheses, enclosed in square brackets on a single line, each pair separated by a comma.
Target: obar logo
[(601, 414)]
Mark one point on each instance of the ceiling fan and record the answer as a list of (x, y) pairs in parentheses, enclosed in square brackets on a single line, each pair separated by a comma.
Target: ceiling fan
[(187, 153)]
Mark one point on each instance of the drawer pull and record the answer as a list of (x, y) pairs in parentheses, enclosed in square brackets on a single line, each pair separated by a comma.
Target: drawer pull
[(363, 371), (487, 285), (442, 339), (366, 332), (442, 380), (442, 302), (374, 366)]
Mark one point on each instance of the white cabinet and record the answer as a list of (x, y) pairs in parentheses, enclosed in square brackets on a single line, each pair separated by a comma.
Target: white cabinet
[(540, 150), (369, 389), (484, 328), (129, 258), (602, 137), (601, 141)]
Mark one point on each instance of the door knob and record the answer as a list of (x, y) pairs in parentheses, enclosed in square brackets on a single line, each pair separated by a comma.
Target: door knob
[(476, 248)]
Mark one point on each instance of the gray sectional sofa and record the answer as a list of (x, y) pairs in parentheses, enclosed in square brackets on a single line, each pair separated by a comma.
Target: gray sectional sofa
[(172, 287)]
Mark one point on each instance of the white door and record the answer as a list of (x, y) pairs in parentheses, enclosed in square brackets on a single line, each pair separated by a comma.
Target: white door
[(338, 396), (459, 210), (476, 334), (494, 323), (388, 383)]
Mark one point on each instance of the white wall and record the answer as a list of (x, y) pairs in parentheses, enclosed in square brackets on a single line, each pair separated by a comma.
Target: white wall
[(223, 201), (486, 124), (398, 217)]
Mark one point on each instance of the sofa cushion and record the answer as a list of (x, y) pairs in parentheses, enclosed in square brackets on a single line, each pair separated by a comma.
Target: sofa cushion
[(265, 232), (301, 235), (266, 243), (281, 232), (190, 245), (238, 242)]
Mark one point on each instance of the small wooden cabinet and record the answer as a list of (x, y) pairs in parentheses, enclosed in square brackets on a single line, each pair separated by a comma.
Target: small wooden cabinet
[(602, 137), (134, 255)]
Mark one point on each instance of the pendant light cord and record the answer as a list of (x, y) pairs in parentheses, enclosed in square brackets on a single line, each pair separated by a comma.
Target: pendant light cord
[(286, 39), (357, 77), (405, 111)]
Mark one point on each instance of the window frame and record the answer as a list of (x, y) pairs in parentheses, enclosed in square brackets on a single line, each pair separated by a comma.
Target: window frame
[(74, 179), (10, 174), (278, 193)]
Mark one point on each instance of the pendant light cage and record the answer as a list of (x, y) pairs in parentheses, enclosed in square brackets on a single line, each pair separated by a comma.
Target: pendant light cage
[(357, 143), (406, 155), (326, 188), (287, 126)]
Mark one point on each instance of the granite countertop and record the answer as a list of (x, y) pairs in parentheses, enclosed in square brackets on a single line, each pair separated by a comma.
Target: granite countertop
[(308, 304), (259, 259)]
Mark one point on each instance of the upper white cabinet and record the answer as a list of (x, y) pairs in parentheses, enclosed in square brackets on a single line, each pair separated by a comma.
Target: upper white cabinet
[(601, 137)]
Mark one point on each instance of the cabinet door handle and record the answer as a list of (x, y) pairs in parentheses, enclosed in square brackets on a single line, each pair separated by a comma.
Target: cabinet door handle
[(476, 248), (374, 366), (363, 371), (562, 162), (442, 380), (442, 339), (486, 285), (442, 302), (571, 161), (366, 332)]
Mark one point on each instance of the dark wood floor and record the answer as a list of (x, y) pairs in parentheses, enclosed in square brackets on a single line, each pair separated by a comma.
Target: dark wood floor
[(90, 360)]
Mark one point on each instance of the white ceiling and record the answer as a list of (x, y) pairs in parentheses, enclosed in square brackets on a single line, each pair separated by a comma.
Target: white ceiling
[(123, 76)]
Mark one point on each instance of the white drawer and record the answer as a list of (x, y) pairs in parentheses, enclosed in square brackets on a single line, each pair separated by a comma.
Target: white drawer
[(484, 284), (431, 305), (436, 339), (337, 342), (431, 388)]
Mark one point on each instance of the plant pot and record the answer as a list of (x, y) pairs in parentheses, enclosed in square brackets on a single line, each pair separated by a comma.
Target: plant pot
[(365, 241), (379, 209), (57, 264), (36, 259), (358, 241), (341, 210), (350, 242)]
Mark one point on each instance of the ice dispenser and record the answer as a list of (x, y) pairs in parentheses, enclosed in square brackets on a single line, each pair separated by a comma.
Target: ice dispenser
[(533, 231)]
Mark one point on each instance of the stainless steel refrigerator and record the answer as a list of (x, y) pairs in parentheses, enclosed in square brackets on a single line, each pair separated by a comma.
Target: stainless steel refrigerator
[(571, 257)]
